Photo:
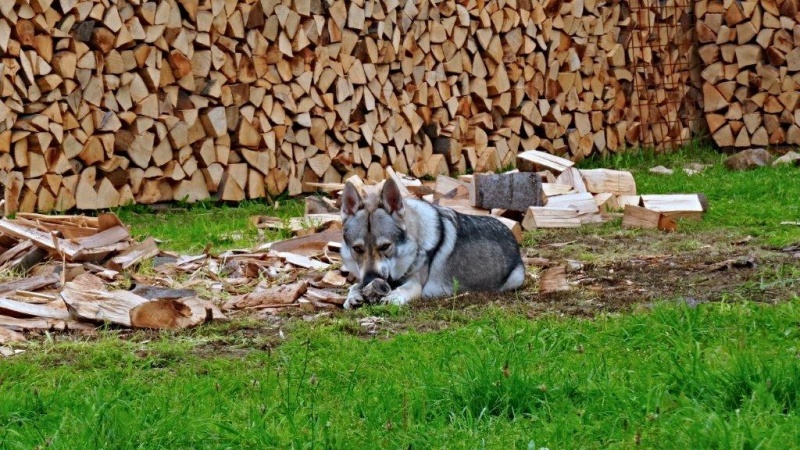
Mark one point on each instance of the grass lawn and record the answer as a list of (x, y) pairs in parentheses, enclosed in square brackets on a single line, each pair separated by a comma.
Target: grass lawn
[(655, 350)]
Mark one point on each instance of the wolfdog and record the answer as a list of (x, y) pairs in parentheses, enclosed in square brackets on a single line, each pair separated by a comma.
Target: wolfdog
[(423, 250)]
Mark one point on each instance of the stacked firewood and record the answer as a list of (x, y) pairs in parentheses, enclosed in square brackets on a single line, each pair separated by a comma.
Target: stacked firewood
[(128, 101), (751, 76)]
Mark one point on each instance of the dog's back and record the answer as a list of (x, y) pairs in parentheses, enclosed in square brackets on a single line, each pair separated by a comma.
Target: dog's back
[(472, 253)]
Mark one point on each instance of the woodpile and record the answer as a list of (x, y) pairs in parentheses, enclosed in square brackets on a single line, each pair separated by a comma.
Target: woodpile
[(751, 76), (106, 103)]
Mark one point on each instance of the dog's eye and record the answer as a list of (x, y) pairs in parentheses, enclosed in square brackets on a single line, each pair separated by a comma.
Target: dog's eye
[(384, 247), (358, 249)]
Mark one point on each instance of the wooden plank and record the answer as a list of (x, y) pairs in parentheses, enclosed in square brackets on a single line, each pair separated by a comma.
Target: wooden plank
[(13, 307), (534, 160)]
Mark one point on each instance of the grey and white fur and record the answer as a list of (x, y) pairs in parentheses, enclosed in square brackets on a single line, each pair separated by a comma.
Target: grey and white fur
[(424, 250)]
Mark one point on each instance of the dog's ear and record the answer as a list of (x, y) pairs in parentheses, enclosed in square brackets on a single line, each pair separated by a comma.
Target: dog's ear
[(392, 199), (351, 200)]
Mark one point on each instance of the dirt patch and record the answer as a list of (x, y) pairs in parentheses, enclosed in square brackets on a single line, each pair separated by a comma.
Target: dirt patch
[(611, 273), (608, 272)]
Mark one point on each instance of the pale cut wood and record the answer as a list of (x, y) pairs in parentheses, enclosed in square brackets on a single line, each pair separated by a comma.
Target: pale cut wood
[(676, 206), (283, 294), (639, 217), (549, 217), (7, 336), (582, 202), (534, 160), (13, 323), (451, 188), (618, 182), (553, 189), (307, 245), (625, 200), (87, 299), (463, 206), (30, 309), (303, 261), (134, 255), (26, 284), (572, 177)]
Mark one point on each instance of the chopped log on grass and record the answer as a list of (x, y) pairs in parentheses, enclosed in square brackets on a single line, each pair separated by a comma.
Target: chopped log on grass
[(279, 295), (584, 203), (307, 245), (550, 217), (33, 283), (15, 308), (513, 191), (8, 336), (87, 299), (618, 182), (677, 206), (639, 217)]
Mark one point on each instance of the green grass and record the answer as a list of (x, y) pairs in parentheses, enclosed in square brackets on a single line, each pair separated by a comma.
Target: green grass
[(752, 202), (720, 375), (189, 228), (715, 376)]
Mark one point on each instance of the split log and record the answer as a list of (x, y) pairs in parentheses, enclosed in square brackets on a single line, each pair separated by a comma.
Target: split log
[(677, 206)]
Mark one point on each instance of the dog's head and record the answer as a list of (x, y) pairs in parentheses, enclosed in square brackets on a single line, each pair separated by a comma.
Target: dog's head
[(376, 244)]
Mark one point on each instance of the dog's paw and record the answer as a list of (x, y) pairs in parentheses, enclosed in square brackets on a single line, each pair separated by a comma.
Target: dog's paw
[(395, 298), (354, 300)]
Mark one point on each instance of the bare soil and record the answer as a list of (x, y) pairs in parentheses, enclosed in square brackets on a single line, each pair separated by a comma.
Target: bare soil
[(608, 272), (615, 272)]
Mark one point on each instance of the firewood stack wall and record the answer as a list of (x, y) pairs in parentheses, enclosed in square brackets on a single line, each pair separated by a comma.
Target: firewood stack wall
[(751, 77), (110, 102)]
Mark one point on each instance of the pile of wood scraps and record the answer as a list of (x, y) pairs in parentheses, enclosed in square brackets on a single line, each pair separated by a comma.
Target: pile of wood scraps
[(80, 273)]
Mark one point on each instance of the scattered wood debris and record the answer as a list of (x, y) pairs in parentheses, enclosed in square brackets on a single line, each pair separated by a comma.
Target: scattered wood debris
[(78, 269)]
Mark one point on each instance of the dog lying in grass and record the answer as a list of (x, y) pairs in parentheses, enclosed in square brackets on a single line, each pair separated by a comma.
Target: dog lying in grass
[(419, 250)]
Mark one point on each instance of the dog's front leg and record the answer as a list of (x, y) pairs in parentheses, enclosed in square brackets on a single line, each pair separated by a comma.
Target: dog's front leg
[(354, 297), (411, 290)]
